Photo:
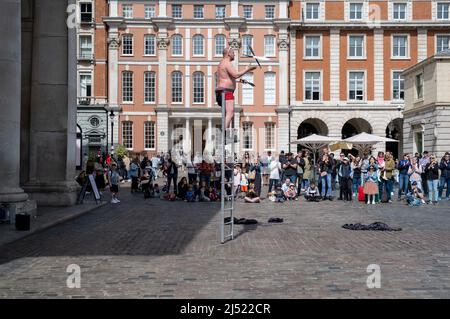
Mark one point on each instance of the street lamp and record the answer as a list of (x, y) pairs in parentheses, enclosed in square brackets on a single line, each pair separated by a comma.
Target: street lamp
[(112, 116)]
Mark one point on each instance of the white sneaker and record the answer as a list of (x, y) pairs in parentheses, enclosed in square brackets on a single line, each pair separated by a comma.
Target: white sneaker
[(373, 203), (113, 201), (117, 200)]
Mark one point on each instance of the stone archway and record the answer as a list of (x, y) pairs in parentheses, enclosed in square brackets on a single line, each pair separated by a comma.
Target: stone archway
[(353, 127), (311, 126), (394, 130)]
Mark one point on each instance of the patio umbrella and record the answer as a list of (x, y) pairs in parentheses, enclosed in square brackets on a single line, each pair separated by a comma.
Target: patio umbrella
[(364, 141), (315, 142)]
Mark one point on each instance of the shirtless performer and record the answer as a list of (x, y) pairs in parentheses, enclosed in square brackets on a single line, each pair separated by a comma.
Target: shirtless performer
[(226, 82)]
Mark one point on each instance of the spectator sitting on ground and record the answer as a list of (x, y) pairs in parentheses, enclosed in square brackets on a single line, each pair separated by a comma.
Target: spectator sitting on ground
[(251, 196), (182, 188), (291, 194), (415, 197), (190, 194), (203, 193), (312, 193), (156, 191), (285, 186), (213, 194), (279, 194)]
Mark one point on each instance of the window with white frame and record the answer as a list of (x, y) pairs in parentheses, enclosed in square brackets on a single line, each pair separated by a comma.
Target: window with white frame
[(247, 90), (248, 12), (198, 85), (399, 11), (356, 86), (85, 46), (149, 11), (419, 86), (149, 44), (85, 89), (198, 11), (197, 41), (270, 11), (149, 87), (127, 11), (177, 45), (269, 88), (127, 44), (177, 12), (312, 46), (398, 86), (312, 11), (312, 86), (177, 87), (443, 10), (127, 134), (149, 135), (220, 40), (356, 11), (356, 46), (247, 41), (399, 46), (269, 136), (442, 43), (269, 45), (86, 12), (127, 86), (220, 12), (247, 132)]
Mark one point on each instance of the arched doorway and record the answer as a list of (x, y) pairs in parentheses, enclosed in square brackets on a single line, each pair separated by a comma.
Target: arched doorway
[(394, 130), (353, 127), (309, 127)]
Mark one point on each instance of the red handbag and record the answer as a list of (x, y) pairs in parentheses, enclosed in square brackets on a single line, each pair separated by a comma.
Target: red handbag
[(361, 196)]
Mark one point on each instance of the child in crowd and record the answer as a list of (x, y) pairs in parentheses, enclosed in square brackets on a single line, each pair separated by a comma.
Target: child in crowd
[(279, 194), (415, 197), (156, 191), (203, 193), (312, 193), (291, 194), (371, 185), (244, 182), (212, 194), (114, 180), (190, 194)]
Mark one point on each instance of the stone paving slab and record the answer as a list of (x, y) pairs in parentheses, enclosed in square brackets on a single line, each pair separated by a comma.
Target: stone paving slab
[(45, 218), (159, 249)]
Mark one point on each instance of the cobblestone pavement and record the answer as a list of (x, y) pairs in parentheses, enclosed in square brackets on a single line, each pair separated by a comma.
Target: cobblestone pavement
[(159, 249)]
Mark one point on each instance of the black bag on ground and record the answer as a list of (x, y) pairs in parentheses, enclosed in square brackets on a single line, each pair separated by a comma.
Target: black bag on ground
[(23, 222)]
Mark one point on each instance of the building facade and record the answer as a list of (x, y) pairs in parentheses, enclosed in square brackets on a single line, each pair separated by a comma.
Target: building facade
[(92, 101), (427, 106), (333, 67), (347, 59)]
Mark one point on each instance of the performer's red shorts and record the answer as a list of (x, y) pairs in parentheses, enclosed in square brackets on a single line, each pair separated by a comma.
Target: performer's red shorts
[(229, 96)]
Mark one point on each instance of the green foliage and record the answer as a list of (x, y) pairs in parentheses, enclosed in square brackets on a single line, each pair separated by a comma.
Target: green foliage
[(120, 150)]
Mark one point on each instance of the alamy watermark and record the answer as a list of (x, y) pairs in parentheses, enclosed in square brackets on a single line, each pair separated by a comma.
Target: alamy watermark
[(374, 279), (74, 279)]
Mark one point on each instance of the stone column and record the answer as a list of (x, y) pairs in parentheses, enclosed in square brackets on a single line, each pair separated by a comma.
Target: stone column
[(10, 93), (283, 52), (53, 107)]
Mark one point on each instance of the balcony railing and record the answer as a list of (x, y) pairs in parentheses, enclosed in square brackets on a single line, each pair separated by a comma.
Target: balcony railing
[(86, 57), (91, 101)]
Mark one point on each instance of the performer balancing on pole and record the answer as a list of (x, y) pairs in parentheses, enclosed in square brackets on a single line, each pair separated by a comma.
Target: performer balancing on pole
[(226, 83)]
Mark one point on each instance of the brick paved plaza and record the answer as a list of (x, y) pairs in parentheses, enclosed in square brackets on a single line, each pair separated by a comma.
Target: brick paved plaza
[(159, 249)]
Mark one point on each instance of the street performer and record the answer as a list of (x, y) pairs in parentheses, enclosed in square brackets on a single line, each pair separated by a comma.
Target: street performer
[(226, 83)]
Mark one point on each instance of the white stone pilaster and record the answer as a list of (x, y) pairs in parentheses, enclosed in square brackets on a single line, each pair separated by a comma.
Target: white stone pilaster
[(209, 86), (283, 9), (163, 134), (283, 131), (113, 8), (187, 87), (293, 64), (163, 43), (234, 8), (209, 45), (283, 53), (334, 65), (187, 39), (378, 65), (422, 44), (162, 8)]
